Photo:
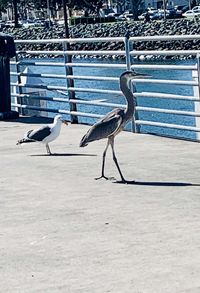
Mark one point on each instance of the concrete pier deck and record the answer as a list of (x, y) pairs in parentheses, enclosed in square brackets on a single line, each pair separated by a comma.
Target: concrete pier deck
[(63, 231)]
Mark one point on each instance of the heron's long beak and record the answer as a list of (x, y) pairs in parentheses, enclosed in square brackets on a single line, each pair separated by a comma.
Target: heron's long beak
[(141, 75)]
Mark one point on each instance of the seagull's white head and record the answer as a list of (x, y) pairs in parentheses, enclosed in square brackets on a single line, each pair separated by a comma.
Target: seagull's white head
[(58, 118)]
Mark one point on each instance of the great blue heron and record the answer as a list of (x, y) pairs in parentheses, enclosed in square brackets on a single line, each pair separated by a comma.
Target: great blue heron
[(44, 134), (114, 122)]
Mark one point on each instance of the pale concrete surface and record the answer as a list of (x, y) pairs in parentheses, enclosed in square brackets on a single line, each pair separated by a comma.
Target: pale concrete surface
[(62, 231)]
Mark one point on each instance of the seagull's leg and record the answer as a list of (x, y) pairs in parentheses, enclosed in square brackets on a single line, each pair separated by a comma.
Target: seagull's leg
[(115, 159), (103, 162), (48, 149), (50, 153)]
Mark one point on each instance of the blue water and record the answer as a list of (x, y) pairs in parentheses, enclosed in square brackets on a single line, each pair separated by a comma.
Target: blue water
[(147, 102)]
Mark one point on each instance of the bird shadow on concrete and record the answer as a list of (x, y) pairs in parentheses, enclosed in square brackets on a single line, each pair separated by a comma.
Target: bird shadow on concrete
[(64, 155), (156, 183)]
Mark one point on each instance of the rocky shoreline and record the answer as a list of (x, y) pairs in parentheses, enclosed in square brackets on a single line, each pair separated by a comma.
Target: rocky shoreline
[(117, 29)]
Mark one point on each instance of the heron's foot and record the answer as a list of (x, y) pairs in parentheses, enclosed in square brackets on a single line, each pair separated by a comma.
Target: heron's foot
[(126, 182), (107, 178)]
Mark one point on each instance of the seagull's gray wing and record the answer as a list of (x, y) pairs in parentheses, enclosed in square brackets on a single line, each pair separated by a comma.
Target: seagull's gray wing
[(40, 134), (104, 128)]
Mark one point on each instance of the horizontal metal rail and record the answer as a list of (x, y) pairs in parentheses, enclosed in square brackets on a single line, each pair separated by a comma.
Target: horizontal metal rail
[(40, 98), (166, 111), (39, 86), (109, 52), (164, 38), (165, 52), (38, 63), (51, 110), (106, 65), (172, 82), (32, 52), (168, 125), (166, 96), (98, 91), (83, 52), (71, 40), (62, 64), (165, 67), (62, 76)]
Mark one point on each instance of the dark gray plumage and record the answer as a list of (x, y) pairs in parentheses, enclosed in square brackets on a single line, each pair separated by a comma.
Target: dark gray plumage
[(114, 122), (41, 134)]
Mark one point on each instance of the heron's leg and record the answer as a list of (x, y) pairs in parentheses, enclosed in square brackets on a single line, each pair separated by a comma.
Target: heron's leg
[(115, 159), (48, 149), (103, 162)]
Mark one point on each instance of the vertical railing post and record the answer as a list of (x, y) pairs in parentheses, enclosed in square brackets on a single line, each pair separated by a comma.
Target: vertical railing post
[(20, 91), (128, 67), (127, 50), (196, 89), (198, 72), (7, 51), (70, 82)]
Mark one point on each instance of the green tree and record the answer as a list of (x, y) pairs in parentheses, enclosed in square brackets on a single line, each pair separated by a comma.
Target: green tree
[(3, 5), (92, 5), (15, 13), (120, 5)]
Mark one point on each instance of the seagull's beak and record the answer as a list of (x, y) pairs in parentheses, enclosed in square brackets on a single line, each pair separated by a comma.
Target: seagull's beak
[(65, 122)]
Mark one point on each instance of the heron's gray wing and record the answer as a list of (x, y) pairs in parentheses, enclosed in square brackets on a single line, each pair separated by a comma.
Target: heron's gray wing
[(104, 128), (40, 134), (114, 113)]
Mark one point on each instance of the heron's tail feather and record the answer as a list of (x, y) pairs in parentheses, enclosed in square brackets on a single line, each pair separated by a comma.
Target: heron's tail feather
[(83, 141)]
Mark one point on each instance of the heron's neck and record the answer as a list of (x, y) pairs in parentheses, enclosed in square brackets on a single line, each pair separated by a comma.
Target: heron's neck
[(130, 98)]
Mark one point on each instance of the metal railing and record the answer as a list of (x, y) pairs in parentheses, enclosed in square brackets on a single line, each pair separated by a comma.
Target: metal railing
[(55, 88)]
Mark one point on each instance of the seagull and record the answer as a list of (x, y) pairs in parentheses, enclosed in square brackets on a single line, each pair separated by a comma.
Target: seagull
[(44, 134)]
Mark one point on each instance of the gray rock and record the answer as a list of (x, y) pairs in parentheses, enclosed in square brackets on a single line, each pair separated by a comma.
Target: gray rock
[(118, 29)]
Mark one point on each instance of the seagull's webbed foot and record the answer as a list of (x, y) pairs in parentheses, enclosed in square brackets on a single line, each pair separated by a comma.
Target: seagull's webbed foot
[(126, 182)]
